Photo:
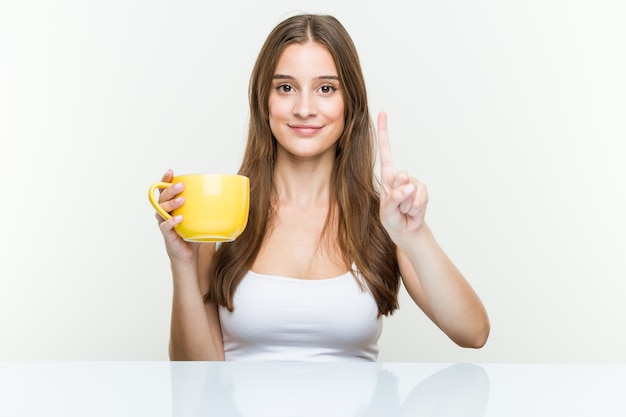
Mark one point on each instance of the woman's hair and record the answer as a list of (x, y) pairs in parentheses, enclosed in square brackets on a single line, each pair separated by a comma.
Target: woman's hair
[(354, 200)]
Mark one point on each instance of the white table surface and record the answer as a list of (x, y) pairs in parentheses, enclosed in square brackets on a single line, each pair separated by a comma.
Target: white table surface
[(308, 389)]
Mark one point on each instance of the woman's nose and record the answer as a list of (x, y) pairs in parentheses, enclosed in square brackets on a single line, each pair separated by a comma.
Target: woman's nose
[(304, 106)]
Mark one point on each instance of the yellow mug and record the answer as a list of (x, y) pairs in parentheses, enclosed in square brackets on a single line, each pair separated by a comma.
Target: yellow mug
[(215, 209)]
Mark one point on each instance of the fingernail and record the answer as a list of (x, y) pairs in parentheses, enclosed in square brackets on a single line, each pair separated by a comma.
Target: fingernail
[(178, 186), (178, 200), (408, 189), (178, 218)]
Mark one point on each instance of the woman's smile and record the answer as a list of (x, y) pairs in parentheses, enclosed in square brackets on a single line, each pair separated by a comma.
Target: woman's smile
[(305, 130)]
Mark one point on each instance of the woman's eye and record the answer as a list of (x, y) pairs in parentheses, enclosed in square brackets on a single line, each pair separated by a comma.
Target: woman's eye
[(285, 88), (327, 89)]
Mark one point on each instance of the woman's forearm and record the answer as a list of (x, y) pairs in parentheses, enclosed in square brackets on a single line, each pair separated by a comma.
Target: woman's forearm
[(454, 306), (191, 334)]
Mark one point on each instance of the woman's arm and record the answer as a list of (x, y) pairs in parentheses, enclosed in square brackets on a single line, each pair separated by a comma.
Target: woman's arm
[(431, 279), (195, 332), (195, 329), (441, 291)]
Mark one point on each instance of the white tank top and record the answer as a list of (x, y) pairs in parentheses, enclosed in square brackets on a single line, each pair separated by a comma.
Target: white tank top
[(288, 319)]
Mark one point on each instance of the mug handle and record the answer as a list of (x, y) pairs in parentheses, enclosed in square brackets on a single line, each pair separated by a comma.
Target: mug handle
[(154, 202)]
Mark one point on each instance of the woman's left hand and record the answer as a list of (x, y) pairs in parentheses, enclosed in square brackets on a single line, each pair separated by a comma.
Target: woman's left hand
[(403, 199)]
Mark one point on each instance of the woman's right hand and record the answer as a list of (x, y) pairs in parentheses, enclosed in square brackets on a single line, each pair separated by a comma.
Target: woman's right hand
[(179, 251)]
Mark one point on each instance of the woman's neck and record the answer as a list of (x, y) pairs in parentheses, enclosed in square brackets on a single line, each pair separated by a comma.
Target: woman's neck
[(303, 183)]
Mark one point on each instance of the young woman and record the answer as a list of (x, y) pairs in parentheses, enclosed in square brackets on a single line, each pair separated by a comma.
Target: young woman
[(326, 245)]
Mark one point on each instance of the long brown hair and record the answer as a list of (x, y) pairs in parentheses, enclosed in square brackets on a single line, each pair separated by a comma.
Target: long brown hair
[(355, 200)]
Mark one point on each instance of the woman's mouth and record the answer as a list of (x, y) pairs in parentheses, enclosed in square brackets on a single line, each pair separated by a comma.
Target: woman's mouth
[(305, 130)]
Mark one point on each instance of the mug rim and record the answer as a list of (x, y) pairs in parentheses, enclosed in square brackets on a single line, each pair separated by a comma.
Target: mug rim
[(209, 175)]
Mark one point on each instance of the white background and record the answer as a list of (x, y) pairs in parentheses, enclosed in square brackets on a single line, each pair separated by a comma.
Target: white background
[(513, 113)]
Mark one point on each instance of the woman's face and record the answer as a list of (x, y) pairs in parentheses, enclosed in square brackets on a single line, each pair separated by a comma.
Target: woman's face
[(306, 105)]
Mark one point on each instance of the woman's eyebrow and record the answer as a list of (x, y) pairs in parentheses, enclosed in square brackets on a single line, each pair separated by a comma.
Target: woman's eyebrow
[(289, 77), (282, 77)]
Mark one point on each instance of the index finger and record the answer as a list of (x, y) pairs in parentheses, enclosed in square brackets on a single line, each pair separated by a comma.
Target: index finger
[(384, 150), (167, 177)]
